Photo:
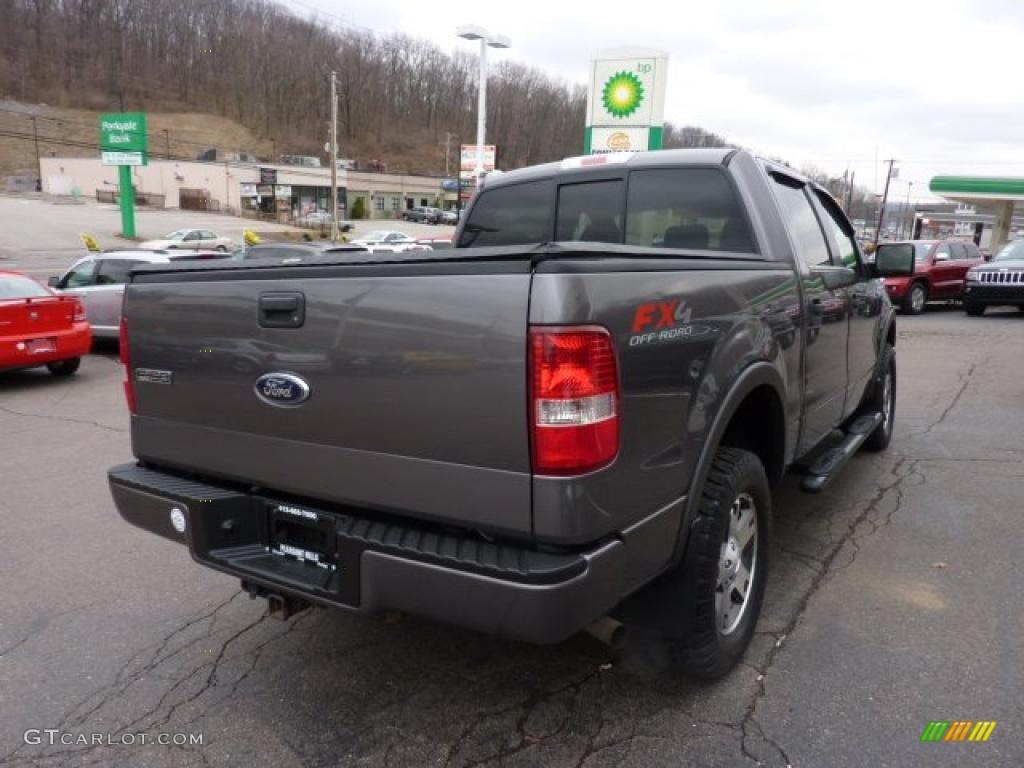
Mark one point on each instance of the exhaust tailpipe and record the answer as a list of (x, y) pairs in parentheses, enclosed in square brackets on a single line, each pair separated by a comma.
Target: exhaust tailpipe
[(609, 631)]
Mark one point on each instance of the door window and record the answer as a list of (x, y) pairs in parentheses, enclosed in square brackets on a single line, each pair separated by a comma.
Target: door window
[(841, 230), (80, 275), (590, 212), (942, 253), (957, 251), (209, 235), (802, 222), (114, 271)]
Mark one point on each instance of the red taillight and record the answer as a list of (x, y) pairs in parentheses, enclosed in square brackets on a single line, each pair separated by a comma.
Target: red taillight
[(574, 399), (77, 312), (126, 360)]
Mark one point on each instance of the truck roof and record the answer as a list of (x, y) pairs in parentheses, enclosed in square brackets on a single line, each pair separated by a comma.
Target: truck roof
[(589, 163)]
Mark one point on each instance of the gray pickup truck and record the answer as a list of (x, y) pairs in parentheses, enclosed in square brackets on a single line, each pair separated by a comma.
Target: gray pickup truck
[(572, 419)]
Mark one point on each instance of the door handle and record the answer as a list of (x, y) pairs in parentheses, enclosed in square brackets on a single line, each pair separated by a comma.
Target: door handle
[(284, 309)]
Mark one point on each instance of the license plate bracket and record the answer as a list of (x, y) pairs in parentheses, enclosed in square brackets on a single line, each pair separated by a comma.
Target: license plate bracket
[(40, 346), (303, 535)]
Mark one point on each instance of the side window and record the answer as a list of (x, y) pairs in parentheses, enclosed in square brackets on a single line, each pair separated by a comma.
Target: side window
[(193, 235), (804, 229), (972, 251), (114, 271), (511, 215), (209, 235), (942, 253), (840, 229), (81, 275), (957, 251), (686, 208), (590, 212)]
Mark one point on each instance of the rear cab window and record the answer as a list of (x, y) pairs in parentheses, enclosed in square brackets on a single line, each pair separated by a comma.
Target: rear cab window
[(691, 208)]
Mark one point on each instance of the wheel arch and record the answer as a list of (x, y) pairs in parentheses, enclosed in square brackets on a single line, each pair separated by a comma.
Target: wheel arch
[(752, 416)]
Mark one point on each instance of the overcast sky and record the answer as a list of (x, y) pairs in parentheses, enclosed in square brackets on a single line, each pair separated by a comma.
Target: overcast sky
[(936, 85)]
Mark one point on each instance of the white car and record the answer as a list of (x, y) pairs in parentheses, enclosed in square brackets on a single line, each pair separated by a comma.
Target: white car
[(189, 239), (389, 240), (322, 219)]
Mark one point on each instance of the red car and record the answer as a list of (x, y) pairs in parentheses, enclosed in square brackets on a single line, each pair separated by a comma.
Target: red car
[(39, 326), (940, 272)]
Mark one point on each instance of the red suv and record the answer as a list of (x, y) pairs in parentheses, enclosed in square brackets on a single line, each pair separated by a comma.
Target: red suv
[(940, 269)]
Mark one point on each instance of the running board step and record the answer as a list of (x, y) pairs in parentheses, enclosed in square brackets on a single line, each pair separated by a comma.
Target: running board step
[(829, 463)]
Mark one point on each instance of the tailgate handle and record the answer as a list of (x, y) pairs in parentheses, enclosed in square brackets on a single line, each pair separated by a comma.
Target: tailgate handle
[(282, 310)]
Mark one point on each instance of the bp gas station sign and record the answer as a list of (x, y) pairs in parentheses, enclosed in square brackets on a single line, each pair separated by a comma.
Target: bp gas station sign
[(626, 101), (124, 143)]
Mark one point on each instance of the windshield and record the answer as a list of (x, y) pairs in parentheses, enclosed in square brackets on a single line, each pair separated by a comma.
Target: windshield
[(177, 234), (21, 288), (921, 250), (1014, 250)]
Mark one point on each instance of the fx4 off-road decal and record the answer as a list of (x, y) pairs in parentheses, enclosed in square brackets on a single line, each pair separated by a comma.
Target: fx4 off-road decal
[(664, 321)]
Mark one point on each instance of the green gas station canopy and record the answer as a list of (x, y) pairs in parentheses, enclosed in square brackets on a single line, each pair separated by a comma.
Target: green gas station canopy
[(977, 187)]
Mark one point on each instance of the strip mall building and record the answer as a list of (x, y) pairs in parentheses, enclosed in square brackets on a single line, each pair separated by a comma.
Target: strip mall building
[(272, 191)]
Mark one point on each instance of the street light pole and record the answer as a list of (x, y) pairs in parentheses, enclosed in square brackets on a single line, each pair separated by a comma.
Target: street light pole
[(334, 156), (487, 40), (35, 138)]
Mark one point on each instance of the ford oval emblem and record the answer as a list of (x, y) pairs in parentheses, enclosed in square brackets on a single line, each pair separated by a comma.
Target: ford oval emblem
[(282, 389)]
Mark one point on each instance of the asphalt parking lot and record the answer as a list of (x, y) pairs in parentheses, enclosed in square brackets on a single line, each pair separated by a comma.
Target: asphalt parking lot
[(895, 598), (42, 238)]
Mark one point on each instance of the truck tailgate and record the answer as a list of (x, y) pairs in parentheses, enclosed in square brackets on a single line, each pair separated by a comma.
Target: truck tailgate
[(416, 376)]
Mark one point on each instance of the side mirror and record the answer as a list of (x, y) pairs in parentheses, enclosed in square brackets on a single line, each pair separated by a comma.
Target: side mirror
[(894, 260), (53, 281), (987, 256)]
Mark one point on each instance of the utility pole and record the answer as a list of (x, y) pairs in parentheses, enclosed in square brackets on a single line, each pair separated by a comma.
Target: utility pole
[(910, 226), (334, 156), (273, 151), (885, 198), (39, 167), (849, 195), (447, 148)]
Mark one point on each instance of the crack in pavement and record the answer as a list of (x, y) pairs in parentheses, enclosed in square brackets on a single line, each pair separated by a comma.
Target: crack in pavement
[(66, 419), (903, 470)]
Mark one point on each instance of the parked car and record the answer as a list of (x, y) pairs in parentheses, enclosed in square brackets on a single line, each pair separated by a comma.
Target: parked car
[(39, 326), (194, 239), (322, 220), (940, 272), (436, 243), (423, 214), (1000, 282), (388, 240), (98, 281), (517, 439), (296, 250), (450, 217)]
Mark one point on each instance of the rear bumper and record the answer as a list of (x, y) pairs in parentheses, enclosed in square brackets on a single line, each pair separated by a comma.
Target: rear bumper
[(73, 342), (379, 564)]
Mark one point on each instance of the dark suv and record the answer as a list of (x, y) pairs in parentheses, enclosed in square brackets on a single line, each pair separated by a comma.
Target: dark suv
[(423, 214)]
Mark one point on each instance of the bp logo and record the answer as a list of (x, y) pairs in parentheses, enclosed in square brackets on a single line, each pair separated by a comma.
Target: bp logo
[(622, 94)]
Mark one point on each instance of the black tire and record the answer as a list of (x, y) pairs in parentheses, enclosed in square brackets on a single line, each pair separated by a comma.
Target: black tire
[(974, 309), (912, 305), (222, 248), (704, 649), (879, 402), (64, 367)]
